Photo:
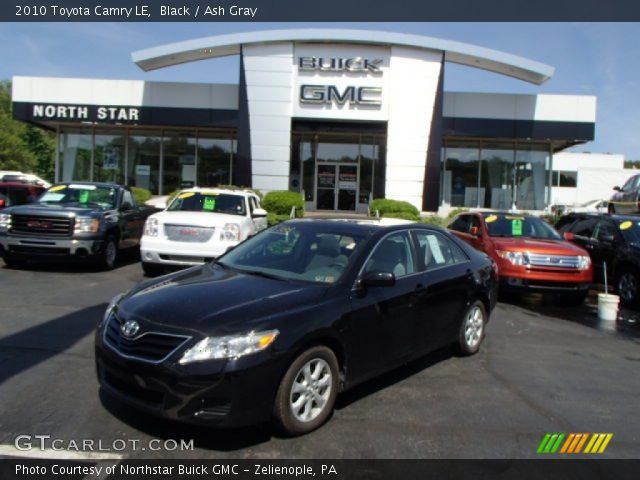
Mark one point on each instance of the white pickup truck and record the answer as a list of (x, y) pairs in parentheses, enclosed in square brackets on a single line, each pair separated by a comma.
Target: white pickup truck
[(198, 225)]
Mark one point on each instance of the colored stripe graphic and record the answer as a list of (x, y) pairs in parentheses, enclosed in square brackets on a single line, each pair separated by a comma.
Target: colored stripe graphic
[(553, 443)]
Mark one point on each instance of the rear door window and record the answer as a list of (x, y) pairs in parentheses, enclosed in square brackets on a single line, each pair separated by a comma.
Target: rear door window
[(584, 228), (435, 250)]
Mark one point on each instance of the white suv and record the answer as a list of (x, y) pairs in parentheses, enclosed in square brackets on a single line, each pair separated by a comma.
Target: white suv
[(198, 225)]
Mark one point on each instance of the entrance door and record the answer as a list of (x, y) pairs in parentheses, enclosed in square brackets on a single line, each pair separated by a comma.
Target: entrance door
[(336, 186)]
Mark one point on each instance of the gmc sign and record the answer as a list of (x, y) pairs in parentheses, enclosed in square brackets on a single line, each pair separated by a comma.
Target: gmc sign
[(327, 94)]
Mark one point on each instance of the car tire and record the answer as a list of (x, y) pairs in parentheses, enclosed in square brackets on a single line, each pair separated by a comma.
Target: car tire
[(109, 254), (628, 285), (151, 269), (13, 262), (313, 375), (472, 329)]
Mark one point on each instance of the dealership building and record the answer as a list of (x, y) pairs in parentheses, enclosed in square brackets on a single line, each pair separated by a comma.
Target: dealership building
[(342, 116)]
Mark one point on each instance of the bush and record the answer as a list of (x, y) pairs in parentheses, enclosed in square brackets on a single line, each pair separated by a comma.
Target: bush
[(386, 206), (434, 220), (141, 195), (274, 218), (403, 216), (279, 202)]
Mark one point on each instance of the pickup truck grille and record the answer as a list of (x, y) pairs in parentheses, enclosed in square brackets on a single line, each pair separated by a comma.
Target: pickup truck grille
[(42, 226), (151, 347), (186, 233), (555, 261)]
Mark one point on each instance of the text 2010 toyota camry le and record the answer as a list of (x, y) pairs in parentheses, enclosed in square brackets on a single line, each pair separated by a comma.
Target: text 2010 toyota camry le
[(278, 326)]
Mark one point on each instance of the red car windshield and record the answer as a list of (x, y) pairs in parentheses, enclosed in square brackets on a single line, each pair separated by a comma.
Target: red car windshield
[(513, 225)]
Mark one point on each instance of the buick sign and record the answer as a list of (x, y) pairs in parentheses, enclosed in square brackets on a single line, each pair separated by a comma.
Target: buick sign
[(337, 64)]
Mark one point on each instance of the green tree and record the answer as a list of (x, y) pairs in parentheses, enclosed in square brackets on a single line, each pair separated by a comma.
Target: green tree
[(23, 147)]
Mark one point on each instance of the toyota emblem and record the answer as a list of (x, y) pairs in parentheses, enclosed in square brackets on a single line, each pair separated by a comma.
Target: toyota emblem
[(129, 328)]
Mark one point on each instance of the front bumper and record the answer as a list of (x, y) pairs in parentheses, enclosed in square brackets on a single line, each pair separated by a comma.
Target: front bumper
[(164, 252), (230, 393), (30, 247), (533, 285)]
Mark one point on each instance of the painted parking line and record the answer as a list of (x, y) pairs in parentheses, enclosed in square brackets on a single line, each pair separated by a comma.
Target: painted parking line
[(47, 453)]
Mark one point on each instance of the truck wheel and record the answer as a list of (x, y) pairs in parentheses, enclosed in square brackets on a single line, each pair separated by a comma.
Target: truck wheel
[(151, 269), (13, 262), (107, 258), (307, 392)]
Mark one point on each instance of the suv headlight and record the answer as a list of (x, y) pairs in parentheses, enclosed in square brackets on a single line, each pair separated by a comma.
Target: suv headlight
[(584, 262), (516, 258), (5, 222), (231, 346), (86, 225), (230, 232), (151, 227)]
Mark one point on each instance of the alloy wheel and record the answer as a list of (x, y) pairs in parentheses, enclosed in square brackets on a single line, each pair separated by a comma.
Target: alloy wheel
[(311, 390), (474, 327), (628, 286)]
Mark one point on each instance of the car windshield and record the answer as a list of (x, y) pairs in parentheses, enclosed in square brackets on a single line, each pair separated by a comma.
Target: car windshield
[(80, 196), (211, 202), (508, 225), (294, 252)]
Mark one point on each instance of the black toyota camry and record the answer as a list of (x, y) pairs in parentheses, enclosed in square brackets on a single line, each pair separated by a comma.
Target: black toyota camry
[(277, 327)]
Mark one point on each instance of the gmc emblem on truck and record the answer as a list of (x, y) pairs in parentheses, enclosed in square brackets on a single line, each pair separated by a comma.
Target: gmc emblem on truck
[(38, 224)]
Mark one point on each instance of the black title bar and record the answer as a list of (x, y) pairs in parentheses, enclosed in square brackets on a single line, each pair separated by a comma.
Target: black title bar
[(325, 10)]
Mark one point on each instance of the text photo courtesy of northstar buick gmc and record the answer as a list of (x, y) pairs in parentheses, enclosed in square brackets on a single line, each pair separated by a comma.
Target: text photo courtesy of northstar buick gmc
[(278, 326), (529, 254), (198, 225)]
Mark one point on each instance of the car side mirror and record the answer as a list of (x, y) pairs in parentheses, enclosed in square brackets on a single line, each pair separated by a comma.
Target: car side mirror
[(617, 188), (378, 279), (259, 213), (568, 236)]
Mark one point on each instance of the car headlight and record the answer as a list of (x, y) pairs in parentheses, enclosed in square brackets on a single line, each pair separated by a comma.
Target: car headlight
[(86, 225), (5, 222), (516, 258), (584, 262), (151, 227), (231, 346), (112, 304), (230, 232)]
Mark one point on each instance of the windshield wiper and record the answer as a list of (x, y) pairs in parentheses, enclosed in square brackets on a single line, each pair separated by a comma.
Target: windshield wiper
[(260, 273)]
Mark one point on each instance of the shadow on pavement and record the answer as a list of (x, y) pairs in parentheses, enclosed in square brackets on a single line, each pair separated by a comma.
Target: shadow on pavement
[(627, 324), (75, 265), (210, 438), (46, 340)]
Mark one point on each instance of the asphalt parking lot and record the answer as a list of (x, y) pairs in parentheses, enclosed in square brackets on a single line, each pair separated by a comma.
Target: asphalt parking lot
[(543, 368)]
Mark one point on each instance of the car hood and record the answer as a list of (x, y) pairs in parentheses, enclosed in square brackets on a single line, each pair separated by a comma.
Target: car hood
[(536, 245), (197, 219), (210, 300)]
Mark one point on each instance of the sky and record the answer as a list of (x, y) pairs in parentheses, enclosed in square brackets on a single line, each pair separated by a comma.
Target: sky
[(601, 59)]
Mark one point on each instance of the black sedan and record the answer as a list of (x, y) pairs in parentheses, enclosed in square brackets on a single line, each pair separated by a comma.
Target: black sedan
[(611, 240), (278, 326)]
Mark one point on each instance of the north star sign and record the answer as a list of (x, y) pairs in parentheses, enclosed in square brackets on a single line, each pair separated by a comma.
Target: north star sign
[(328, 94), (90, 113)]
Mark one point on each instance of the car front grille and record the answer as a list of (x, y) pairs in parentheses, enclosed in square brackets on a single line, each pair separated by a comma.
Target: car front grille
[(186, 233), (42, 226), (153, 347), (553, 261)]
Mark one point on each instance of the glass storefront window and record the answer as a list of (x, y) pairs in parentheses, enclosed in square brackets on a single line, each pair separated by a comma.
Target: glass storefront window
[(369, 154), (496, 178), (531, 176), (461, 176), (76, 145), (109, 161), (144, 160), (215, 156), (179, 164)]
